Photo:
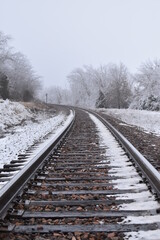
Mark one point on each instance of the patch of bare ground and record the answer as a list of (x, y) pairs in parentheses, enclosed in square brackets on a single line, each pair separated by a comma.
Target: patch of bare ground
[(38, 107), (147, 143)]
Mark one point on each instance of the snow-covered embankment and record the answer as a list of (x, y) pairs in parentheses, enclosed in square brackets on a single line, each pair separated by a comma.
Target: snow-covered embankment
[(148, 121), (20, 129)]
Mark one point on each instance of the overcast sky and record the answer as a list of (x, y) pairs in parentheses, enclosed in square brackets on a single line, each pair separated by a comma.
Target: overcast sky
[(60, 35)]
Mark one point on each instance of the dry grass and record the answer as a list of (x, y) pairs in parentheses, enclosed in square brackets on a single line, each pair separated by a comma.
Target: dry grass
[(35, 105)]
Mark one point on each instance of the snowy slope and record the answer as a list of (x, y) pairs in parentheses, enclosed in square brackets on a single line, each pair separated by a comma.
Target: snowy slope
[(148, 121), (20, 129), (12, 113)]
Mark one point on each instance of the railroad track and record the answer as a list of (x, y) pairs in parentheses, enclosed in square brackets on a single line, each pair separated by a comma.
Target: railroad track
[(86, 186)]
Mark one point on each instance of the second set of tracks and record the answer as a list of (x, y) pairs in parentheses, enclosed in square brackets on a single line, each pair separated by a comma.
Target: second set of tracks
[(74, 194)]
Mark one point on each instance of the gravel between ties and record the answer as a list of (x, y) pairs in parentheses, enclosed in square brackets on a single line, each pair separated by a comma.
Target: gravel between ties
[(148, 144)]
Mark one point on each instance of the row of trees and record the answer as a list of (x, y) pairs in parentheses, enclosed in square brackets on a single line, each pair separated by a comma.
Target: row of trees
[(146, 91), (18, 81), (112, 86), (108, 86)]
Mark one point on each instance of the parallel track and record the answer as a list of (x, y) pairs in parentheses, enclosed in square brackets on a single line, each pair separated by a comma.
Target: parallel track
[(72, 194)]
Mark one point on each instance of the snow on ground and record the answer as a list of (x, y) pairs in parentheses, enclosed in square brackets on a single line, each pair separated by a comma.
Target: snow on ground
[(12, 114), (142, 198), (16, 137), (149, 121), (25, 136), (142, 235)]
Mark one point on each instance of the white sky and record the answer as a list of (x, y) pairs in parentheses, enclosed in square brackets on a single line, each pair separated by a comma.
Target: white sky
[(60, 35)]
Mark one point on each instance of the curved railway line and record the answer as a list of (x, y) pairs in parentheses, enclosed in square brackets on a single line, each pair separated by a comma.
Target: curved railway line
[(79, 187)]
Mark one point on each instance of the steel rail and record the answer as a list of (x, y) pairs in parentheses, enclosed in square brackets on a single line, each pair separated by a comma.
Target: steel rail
[(17, 183), (150, 173)]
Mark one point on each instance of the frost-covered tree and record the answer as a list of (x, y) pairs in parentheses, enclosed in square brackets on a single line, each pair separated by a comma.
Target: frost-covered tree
[(106, 86), (4, 93), (5, 50), (101, 83), (101, 101), (22, 83), (147, 86), (118, 92), (56, 95), (83, 87), (5, 55)]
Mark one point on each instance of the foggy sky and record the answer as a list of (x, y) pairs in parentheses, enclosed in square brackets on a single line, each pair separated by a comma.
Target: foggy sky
[(60, 35)]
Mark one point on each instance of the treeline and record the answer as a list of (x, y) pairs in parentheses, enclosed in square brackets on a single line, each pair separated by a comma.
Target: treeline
[(108, 86), (18, 81), (112, 86)]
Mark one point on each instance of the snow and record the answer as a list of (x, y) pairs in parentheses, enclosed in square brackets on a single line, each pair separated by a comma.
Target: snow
[(142, 198), (148, 121), (142, 219), (18, 138), (12, 145), (143, 235), (12, 114), (38, 152)]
